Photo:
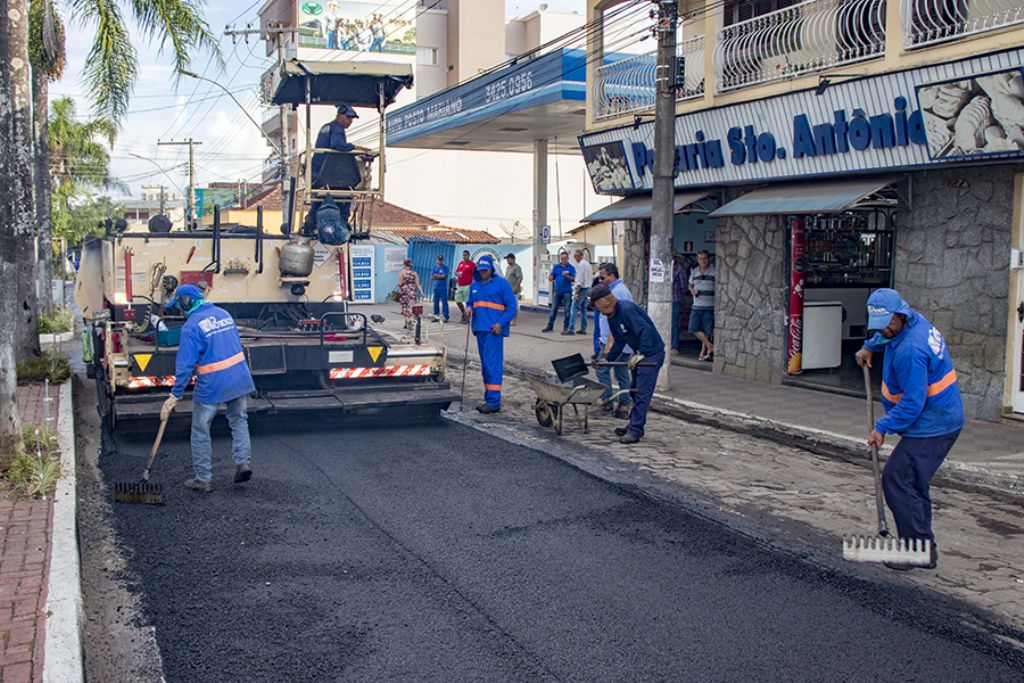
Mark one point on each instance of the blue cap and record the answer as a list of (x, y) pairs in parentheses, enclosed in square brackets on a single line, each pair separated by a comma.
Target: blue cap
[(486, 262), (347, 111), (882, 304), (191, 291)]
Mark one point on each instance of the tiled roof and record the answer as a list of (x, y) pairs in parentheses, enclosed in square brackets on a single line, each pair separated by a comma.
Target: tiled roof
[(269, 199), (453, 235), (387, 215)]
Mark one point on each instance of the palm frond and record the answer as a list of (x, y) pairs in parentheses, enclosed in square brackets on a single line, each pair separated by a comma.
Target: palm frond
[(178, 22), (112, 66)]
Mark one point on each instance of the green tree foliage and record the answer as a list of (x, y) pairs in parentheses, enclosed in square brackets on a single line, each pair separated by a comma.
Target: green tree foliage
[(82, 218)]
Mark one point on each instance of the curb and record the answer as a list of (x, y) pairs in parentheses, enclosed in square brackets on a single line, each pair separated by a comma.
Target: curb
[(62, 647), (57, 338)]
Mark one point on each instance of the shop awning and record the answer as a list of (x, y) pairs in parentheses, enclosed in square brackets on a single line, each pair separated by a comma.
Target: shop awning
[(804, 198), (636, 208)]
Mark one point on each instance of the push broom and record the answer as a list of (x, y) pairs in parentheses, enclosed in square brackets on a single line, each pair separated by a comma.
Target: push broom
[(883, 547), (143, 491)]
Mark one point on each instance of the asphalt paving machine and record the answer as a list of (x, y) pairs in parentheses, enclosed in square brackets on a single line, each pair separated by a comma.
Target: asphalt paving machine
[(309, 350)]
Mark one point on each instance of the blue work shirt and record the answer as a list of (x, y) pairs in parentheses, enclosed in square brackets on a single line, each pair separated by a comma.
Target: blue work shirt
[(919, 384), (631, 325), (331, 136), (561, 284), (211, 349), (492, 302), (441, 285)]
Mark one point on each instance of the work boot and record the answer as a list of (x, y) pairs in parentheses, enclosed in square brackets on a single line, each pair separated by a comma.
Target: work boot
[(201, 486), (487, 409), (546, 329), (243, 473), (621, 431), (581, 331), (566, 333), (629, 438)]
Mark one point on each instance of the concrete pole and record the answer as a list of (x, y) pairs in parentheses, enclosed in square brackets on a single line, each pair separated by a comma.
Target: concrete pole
[(540, 212), (659, 270)]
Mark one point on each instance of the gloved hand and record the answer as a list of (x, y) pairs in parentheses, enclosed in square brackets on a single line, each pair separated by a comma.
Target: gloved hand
[(634, 360), (168, 407)]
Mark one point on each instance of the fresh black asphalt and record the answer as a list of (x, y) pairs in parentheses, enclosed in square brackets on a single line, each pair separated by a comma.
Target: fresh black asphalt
[(441, 553)]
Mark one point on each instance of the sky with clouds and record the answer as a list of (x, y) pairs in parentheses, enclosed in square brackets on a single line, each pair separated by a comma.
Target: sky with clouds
[(164, 107)]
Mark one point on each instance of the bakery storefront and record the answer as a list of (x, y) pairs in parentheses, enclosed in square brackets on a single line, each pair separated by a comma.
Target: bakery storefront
[(911, 180)]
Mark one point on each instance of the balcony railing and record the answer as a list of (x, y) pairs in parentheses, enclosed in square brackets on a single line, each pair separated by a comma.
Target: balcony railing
[(927, 22), (629, 85), (811, 36)]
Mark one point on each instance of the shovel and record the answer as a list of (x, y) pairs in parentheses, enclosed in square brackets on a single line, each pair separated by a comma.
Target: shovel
[(143, 491), (883, 547)]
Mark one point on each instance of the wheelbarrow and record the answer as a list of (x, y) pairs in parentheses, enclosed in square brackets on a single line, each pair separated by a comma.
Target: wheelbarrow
[(571, 389)]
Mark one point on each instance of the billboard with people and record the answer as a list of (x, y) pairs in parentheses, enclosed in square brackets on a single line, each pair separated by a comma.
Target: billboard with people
[(358, 26)]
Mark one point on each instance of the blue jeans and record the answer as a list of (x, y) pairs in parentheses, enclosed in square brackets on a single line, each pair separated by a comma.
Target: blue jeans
[(441, 301), (560, 300), (604, 376), (644, 380), (906, 479), (332, 40), (202, 446), (579, 308)]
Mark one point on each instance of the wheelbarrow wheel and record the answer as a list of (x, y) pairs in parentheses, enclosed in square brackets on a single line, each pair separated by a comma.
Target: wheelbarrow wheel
[(546, 414)]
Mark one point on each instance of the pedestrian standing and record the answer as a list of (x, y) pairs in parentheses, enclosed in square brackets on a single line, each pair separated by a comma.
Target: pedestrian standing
[(922, 404), (631, 325), (463, 279), (439, 276), (679, 292), (514, 275), (561, 278), (608, 275), (581, 292), (491, 307), (702, 316), (408, 287), (211, 350)]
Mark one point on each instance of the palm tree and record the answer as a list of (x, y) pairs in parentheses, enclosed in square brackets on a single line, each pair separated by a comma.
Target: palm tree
[(15, 202)]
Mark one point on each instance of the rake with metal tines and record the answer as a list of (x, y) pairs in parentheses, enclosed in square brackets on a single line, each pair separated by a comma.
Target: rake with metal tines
[(883, 547), (143, 491)]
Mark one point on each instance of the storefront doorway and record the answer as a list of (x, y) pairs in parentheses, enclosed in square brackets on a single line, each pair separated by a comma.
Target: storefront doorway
[(1015, 329)]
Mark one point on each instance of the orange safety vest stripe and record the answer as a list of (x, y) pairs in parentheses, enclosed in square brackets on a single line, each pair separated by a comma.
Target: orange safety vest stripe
[(492, 387), (221, 364), (933, 389), (488, 304)]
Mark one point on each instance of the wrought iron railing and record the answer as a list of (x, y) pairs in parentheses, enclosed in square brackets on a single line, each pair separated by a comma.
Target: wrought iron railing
[(629, 85), (927, 22), (810, 36)]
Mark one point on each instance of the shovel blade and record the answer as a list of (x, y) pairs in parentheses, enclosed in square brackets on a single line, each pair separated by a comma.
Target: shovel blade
[(132, 492), (915, 552)]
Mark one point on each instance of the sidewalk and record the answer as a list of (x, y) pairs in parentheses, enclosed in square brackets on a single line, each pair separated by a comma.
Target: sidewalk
[(986, 453), (24, 561)]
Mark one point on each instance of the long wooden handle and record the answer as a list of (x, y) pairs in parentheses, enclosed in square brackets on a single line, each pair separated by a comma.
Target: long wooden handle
[(156, 447), (883, 528)]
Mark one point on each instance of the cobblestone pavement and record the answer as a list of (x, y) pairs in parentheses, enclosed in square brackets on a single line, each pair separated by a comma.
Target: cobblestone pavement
[(24, 555), (786, 494)]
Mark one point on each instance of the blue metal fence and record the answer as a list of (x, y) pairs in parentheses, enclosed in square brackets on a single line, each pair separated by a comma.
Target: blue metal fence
[(424, 252)]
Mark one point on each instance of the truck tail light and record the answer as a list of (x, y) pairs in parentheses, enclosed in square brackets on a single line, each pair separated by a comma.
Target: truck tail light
[(115, 342)]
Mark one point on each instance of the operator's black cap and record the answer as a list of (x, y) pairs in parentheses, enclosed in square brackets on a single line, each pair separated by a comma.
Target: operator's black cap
[(511, 256), (600, 292), (347, 111)]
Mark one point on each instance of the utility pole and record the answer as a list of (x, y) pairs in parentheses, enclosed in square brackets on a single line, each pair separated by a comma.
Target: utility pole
[(190, 200), (163, 200), (277, 34), (659, 291)]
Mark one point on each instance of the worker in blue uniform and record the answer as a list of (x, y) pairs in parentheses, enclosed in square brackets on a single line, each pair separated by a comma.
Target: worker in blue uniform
[(922, 404), (630, 325), (491, 306), (331, 136), (440, 275), (211, 350)]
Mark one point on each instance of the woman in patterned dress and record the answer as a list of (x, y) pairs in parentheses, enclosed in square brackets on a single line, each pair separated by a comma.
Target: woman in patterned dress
[(408, 286)]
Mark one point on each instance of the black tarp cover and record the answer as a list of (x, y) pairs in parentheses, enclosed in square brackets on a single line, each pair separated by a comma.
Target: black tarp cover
[(353, 83)]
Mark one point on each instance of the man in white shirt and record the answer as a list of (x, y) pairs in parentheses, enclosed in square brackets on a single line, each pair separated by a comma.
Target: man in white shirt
[(580, 292)]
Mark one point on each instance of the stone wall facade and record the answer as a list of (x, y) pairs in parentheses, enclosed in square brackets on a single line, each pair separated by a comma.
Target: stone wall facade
[(636, 251), (952, 265), (750, 297)]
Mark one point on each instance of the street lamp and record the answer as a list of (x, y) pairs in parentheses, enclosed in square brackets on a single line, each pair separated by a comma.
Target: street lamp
[(273, 144)]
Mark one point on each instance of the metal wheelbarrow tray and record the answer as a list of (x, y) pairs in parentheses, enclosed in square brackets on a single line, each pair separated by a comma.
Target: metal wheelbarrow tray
[(572, 389)]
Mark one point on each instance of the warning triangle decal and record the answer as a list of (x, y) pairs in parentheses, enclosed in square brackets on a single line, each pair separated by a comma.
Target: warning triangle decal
[(374, 352), (143, 360)]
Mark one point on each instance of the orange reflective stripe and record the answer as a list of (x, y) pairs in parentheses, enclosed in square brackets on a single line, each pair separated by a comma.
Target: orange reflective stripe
[(488, 304), (942, 384), (933, 389), (492, 387), (892, 398), (221, 364)]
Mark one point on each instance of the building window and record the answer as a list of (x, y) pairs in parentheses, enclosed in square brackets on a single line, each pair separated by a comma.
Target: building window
[(426, 56), (735, 11)]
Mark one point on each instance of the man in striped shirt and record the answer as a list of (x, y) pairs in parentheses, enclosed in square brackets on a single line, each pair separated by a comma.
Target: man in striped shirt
[(702, 316)]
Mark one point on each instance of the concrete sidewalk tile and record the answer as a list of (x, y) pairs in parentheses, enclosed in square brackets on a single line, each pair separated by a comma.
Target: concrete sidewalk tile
[(17, 673)]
